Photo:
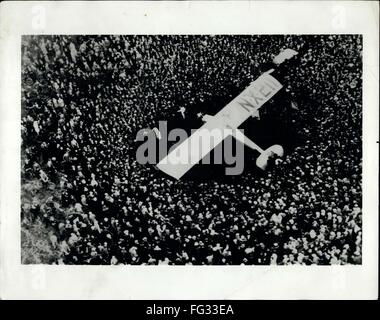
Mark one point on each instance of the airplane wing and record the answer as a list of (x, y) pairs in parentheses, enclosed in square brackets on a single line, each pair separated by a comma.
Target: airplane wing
[(185, 155)]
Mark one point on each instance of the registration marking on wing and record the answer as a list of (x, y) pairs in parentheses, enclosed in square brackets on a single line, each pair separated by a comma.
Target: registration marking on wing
[(184, 156)]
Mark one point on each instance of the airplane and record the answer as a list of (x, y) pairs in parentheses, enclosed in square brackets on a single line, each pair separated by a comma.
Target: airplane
[(243, 106)]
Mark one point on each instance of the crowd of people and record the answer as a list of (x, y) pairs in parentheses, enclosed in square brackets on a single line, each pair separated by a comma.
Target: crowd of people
[(84, 98)]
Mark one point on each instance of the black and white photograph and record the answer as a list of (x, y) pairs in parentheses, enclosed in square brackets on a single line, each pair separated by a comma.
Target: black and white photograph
[(90, 196), (149, 149)]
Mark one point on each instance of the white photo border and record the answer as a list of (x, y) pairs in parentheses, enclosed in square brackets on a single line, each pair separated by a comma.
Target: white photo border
[(19, 281)]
